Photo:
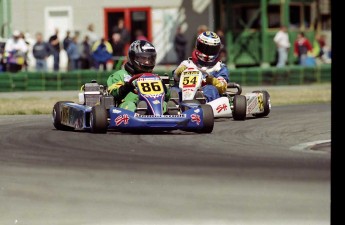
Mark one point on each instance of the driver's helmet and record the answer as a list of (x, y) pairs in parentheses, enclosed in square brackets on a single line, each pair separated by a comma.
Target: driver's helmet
[(207, 49), (142, 55)]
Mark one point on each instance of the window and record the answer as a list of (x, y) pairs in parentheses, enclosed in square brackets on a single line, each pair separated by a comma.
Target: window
[(300, 16), (273, 12)]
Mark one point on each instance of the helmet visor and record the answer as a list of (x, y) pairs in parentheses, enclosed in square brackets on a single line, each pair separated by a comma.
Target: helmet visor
[(211, 50), (146, 59)]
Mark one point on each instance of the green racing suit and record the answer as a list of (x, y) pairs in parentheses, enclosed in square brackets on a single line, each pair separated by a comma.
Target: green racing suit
[(122, 91)]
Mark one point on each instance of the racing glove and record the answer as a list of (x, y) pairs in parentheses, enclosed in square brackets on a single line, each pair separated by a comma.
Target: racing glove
[(125, 89), (220, 84), (178, 71)]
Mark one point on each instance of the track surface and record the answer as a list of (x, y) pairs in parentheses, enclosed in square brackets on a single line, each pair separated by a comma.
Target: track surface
[(255, 171)]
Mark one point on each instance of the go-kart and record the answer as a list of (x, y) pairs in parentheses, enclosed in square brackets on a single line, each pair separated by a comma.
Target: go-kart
[(98, 112), (230, 104)]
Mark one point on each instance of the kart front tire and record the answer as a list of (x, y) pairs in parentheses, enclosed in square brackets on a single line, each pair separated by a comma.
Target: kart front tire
[(98, 119), (56, 116), (208, 119), (239, 111), (266, 102)]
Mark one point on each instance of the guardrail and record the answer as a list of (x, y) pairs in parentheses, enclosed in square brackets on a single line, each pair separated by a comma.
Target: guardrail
[(73, 80)]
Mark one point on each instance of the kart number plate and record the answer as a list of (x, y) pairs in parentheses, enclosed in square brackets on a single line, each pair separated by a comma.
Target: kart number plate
[(150, 87), (190, 80)]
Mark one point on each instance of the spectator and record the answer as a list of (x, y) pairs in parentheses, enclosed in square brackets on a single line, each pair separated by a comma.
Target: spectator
[(55, 44), (102, 53), (223, 55), (180, 43), (85, 54), (41, 51), (67, 40), (120, 28), (202, 28), (283, 45), (139, 35), (73, 54), (15, 50), (65, 43), (93, 36), (302, 47), (2, 57), (26, 58), (323, 52), (118, 50)]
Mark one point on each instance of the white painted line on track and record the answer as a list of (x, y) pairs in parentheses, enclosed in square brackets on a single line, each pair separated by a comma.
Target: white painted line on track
[(308, 145)]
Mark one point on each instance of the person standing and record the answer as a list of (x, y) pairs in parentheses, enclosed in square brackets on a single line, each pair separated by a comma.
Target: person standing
[(15, 50), (302, 47), (73, 53), (120, 28), (41, 51), (85, 54), (223, 55), (55, 44), (118, 50), (92, 35), (180, 43), (283, 45), (102, 53)]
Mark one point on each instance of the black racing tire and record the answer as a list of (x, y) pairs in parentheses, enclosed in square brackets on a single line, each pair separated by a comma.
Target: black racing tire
[(56, 116), (239, 111), (266, 101), (98, 119), (208, 119)]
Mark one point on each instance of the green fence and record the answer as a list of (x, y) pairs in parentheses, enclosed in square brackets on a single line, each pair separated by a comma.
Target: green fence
[(290, 75)]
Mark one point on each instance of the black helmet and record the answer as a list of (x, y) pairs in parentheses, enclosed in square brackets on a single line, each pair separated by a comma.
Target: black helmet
[(142, 55)]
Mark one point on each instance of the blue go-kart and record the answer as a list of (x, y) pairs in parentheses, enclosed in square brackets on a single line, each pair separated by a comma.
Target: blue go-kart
[(98, 112)]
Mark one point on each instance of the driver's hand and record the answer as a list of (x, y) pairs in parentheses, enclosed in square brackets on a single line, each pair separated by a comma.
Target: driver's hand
[(128, 86), (209, 79), (179, 70)]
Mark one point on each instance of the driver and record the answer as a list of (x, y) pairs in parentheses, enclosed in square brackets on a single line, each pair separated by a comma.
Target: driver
[(141, 59), (205, 57)]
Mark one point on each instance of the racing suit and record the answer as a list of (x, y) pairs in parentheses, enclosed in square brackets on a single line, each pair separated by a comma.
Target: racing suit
[(123, 91), (215, 84)]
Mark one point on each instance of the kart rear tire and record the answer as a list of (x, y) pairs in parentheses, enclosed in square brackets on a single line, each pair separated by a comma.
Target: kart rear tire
[(266, 101), (56, 117), (239, 107), (208, 119), (98, 119)]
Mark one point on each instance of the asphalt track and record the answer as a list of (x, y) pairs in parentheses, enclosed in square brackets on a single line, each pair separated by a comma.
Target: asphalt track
[(273, 170)]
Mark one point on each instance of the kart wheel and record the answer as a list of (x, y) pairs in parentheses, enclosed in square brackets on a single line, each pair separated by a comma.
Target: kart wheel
[(266, 104), (56, 116), (208, 119), (98, 119), (239, 111)]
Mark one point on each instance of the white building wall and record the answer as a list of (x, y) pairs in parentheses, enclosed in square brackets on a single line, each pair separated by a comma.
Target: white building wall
[(29, 16)]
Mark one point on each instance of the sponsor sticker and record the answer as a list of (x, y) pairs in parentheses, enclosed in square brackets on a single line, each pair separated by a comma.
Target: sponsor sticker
[(221, 107), (195, 118), (122, 119)]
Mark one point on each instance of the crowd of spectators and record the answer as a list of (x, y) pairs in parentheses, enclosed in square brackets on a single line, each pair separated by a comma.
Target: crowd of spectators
[(91, 51), (306, 53)]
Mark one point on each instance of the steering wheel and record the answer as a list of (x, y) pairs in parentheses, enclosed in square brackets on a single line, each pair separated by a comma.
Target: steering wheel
[(135, 77)]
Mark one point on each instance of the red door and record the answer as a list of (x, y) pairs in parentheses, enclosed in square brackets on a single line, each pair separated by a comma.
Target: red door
[(135, 20)]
